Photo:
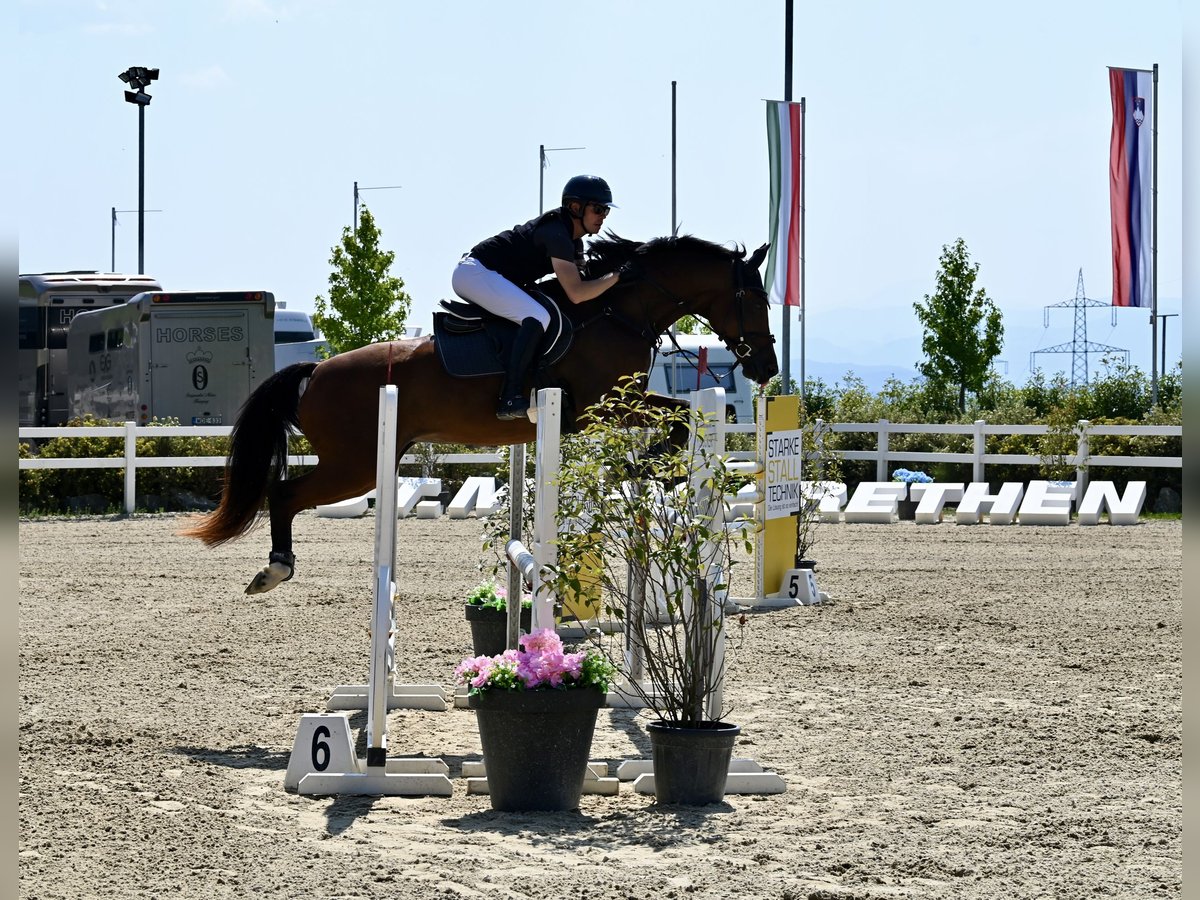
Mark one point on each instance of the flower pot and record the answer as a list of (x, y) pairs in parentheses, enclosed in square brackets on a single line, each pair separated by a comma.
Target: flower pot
[(906, 510), (691, 761), (536, 745), (489, 628)]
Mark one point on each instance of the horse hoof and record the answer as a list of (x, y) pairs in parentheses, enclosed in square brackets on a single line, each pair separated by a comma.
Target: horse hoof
[(271, 575)]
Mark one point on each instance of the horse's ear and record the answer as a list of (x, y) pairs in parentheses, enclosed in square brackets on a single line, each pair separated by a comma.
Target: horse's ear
[(758, 256)]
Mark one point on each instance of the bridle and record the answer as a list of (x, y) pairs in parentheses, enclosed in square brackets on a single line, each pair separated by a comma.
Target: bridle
[(743, 351)]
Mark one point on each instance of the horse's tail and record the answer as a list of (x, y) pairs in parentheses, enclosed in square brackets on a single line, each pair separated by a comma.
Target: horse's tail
[(257, 453)]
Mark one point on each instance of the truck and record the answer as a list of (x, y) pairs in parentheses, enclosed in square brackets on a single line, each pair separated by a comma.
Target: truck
[(47, 303), (675, 374), (192, 356), (296, 339)]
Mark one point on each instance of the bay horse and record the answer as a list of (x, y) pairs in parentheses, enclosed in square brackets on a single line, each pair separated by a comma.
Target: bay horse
[(335, 402)]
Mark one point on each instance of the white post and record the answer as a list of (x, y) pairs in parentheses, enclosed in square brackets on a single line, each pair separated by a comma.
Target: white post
[(1082, 451), (979, 448), (881, 462), (516, 512), (130, 467), (545, 518), (322, 760), (385, 564)]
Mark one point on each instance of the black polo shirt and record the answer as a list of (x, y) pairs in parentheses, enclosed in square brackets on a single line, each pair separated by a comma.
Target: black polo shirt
[(522, 254)]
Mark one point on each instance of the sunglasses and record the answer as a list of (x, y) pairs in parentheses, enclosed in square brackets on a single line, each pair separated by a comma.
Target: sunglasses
[(600, 209)]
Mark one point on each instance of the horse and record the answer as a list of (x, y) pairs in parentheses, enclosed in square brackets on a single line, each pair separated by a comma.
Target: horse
[(334, 402)]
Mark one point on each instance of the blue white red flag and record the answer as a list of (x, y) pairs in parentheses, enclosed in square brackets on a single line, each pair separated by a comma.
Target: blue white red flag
[(784, 136), (1130, 161)]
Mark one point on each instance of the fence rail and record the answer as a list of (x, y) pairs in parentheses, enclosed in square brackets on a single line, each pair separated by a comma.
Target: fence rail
[(883, 454)]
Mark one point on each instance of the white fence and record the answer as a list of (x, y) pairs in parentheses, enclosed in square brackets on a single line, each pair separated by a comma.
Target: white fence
[(882, 454)]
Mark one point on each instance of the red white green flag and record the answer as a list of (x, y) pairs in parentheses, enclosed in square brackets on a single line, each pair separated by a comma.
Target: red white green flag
[(784, 136)]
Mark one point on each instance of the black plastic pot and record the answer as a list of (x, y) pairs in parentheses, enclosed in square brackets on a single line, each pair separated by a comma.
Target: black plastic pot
[(536, 745), (691, 761), (489, 628), (906, 510)]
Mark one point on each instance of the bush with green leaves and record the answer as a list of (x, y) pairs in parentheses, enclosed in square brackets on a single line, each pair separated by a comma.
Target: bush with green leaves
[(627, 501)]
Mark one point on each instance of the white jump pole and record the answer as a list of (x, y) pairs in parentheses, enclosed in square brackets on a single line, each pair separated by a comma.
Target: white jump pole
[(385, 564), (323, 760), (531, 560)]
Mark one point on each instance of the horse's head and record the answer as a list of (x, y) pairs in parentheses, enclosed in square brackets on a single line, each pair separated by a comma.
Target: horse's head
[(742, 321), (685, 275)]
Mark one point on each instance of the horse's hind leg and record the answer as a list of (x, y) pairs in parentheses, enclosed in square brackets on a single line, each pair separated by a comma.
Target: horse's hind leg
[(324, 484)]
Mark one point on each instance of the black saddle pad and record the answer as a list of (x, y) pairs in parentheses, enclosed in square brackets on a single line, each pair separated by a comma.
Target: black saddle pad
[(471, 341)]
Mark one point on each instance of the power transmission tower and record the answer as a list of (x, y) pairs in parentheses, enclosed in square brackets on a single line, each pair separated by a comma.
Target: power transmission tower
[(1080, 346)]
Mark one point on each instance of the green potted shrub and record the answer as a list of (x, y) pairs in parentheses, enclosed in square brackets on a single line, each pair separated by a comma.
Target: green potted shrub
[(487, 613), (656, 518)]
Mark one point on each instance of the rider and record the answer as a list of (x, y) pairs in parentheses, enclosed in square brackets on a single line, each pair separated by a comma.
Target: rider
[(496, 271)]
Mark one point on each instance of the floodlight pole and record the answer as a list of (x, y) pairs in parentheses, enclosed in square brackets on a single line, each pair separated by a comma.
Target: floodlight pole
[(141, 189), (139, 78)]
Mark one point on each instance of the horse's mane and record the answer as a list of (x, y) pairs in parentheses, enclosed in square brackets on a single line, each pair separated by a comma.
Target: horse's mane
[(610, 251)]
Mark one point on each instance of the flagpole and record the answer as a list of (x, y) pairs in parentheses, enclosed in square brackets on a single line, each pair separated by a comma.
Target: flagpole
[(803, 303), (786, 368), (1154, 256), (674, 391)]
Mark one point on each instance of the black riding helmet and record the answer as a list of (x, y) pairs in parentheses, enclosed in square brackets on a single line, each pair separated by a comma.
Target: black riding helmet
[(587, 189)]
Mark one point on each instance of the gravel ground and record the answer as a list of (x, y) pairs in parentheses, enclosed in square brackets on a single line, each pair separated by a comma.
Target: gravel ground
[(980, 712)]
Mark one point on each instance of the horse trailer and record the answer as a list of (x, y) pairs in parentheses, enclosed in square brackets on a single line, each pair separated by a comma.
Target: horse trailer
[(47, 302), (194, 356), (677, 373)]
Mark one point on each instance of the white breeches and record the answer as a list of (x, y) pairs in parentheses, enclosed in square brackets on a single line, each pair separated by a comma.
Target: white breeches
[(474, 281)]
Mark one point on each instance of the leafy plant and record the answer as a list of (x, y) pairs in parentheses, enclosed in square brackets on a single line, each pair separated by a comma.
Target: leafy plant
[(656, 515), (963, 329), (491, 596), (366, 304)]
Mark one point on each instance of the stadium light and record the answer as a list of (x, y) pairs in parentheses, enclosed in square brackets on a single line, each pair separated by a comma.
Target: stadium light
[(139, 78)]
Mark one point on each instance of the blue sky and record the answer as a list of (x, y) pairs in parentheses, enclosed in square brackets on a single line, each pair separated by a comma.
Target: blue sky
[(926, 122)]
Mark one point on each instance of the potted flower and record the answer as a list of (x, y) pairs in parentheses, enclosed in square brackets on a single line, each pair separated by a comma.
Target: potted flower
[(487, 612), (536, 709), (907, 507), (655, 517)]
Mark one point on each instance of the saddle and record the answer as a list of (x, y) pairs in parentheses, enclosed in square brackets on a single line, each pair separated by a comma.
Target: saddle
[(473, 342)]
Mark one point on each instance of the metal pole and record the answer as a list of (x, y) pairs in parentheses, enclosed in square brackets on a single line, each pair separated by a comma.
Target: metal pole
[(1154, 255), (785, 372), (112, 266), (141, 188), (356, 209), (674, 389), (674, 219), (803, 299)]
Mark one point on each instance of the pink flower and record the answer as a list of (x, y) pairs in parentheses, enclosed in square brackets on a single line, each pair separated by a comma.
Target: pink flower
[(541, 641)]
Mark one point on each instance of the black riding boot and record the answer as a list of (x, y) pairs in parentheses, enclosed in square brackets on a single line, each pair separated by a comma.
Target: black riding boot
[(514, 402)]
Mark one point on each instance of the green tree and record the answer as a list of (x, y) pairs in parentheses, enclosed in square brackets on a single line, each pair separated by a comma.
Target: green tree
[(963, 331), (692, 325), (365, 304)]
